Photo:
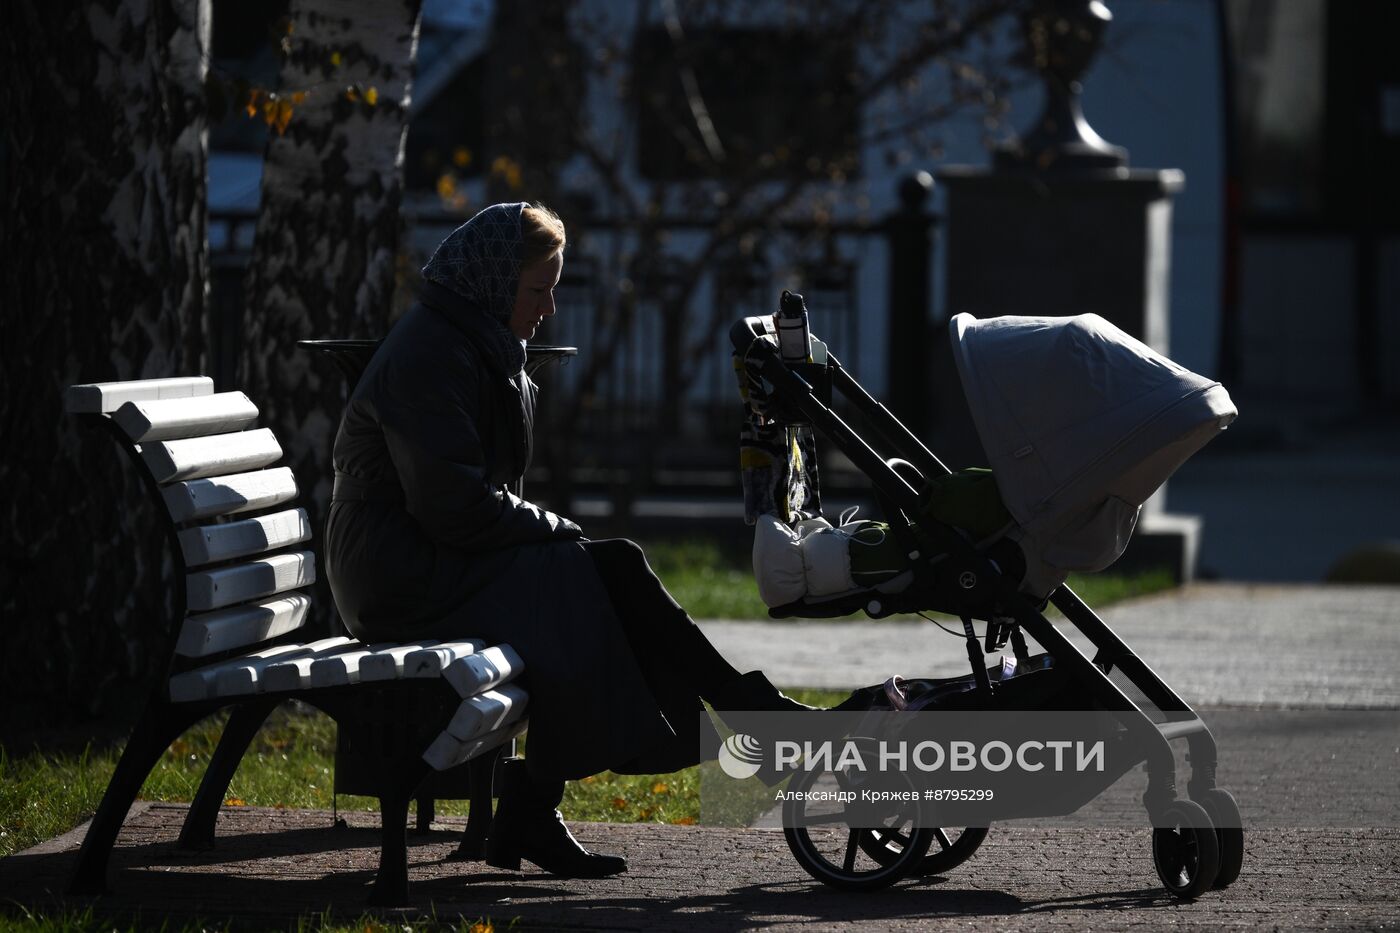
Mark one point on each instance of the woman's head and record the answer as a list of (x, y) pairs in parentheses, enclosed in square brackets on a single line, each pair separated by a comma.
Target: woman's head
[(542, 241), (500, 260)]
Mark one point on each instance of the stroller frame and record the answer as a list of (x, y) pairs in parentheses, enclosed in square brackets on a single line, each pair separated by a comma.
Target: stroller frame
[(805, 389)]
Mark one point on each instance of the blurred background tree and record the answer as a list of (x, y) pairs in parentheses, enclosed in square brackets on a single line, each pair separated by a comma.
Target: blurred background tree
[(325, 254), (104, 277)]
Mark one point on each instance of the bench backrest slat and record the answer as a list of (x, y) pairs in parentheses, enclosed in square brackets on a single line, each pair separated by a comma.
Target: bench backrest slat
[(100, 398), (208, 544), (266, 576), (241, 626), (171, 418), (215, 455), (227, 495)]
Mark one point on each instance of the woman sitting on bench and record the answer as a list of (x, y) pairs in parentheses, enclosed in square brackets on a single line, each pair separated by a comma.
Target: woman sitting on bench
[(426, 539)]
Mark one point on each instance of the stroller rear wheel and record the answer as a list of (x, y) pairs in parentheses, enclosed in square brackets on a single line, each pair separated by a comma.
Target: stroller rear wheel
[(949, 848), (1185, 849)]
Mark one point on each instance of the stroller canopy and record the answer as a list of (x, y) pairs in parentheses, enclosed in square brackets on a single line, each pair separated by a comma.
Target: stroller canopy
[(1081, 423)]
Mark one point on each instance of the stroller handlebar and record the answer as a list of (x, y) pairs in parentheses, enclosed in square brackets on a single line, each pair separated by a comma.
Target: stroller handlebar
[(746, 331)]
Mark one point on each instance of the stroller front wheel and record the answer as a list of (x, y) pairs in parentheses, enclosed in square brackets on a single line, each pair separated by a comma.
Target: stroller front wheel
[(1229, 831), (1185, 849)]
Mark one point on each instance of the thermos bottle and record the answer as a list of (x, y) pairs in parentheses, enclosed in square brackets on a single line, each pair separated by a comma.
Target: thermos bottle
[(793, 337)]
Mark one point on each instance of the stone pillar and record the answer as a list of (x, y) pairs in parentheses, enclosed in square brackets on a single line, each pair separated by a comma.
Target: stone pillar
[(1061, 226), (1047, 245), (910, 231)]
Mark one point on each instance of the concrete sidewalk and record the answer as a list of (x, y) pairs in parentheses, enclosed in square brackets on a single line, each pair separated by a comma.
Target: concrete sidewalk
[(1215, 644)]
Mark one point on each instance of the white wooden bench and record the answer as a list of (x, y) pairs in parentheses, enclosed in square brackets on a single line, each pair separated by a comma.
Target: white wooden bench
[(243, 559)]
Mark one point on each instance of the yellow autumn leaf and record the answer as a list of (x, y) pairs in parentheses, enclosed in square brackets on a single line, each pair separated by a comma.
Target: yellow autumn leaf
[(335, 59), (372, 95), (619, 803), (461, 157), (446, 185), (299, 97), (254, 96), (684, 821), (482, 926), (660, 787), (235, 802), (284, 115), (645, 814)]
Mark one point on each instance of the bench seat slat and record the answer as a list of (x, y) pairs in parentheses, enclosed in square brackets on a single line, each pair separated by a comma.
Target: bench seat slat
[(105, 397), (241, 626), (242, 677), (266, 576), (342, 669), (295, 673), (487, 711), (170, 418), (448, 751), (483, 670), (431, 662), (227, 495), (388, 664), (215, 455), (195, 685), (208, 544)]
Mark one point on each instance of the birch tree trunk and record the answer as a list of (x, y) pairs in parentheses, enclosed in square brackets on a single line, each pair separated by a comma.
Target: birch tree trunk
[(325, 252), (102, 155)]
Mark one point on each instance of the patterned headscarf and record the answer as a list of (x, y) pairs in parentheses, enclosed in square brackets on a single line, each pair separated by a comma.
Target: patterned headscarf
[(480, 261)]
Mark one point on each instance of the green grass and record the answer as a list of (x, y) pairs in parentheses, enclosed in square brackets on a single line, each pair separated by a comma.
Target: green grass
[(290, 765), (714, 583)]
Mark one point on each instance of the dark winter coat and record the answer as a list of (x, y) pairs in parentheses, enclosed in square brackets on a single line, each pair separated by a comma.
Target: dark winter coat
[(426, 539)]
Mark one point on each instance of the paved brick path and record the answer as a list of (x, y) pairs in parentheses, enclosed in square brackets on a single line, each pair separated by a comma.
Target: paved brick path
[(273, 864), (1317, 648), (1215, 644)]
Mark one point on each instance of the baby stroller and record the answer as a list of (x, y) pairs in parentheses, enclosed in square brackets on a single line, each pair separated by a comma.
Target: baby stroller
[(1081, 424)]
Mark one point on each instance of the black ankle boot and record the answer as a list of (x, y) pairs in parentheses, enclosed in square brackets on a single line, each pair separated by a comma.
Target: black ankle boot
[(753, 691), (527, 826)]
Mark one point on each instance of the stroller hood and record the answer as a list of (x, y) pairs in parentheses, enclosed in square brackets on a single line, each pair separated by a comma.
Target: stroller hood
[(1081, 423)]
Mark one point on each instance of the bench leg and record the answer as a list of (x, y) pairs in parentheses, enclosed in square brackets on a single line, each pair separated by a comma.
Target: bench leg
[(427, 811), (157, 728), (391, 884), (243, 724), (472, 848)]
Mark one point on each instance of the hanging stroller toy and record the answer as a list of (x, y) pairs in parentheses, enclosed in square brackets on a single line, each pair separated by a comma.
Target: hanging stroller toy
[(1081, 424)]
